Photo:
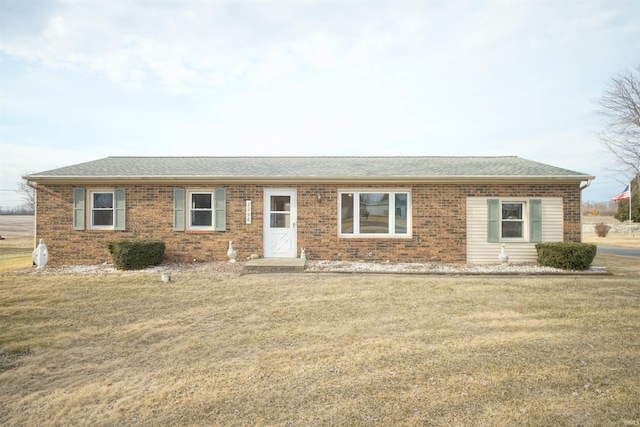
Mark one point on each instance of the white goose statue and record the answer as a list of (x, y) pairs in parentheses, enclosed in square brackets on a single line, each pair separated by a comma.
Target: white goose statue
[(231, 253), (503, 257)]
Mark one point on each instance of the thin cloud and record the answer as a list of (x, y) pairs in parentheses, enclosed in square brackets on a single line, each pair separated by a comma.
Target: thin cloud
[(309, 77)]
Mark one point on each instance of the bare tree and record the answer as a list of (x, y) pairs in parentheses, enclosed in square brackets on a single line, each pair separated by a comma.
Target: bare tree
[(620, 106), (28, 195)]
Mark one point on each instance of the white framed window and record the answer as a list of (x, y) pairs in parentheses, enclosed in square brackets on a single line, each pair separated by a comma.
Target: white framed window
[(374, 213), (102, 209), (201, 210), (512, 220), (99, 209)]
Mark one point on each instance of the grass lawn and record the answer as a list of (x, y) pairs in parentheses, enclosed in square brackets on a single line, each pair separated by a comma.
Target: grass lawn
[(622, 239), (319, 349), (614, 239), (15, 253)]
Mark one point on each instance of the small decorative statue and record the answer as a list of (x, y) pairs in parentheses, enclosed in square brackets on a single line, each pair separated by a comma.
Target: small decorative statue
[(303, 253), (503, 257), (231, 253), (40, 255)]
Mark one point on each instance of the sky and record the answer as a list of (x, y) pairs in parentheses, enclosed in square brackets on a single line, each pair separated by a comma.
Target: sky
[(82, 80)]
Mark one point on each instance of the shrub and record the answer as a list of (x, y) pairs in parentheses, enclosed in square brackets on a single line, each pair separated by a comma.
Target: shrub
[(566, 255), (136, 254), (601, 229)]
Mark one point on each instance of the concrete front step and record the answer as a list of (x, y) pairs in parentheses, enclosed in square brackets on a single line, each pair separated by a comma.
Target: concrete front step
[(275, 265)]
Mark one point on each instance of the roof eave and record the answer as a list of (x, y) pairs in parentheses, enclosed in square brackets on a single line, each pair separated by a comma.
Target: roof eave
[(191, 179)]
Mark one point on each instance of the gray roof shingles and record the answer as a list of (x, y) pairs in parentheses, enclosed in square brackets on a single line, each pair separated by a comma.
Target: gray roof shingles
[(310, 168)]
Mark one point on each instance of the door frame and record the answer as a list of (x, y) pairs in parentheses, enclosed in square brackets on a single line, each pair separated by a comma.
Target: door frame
[(293, 229)]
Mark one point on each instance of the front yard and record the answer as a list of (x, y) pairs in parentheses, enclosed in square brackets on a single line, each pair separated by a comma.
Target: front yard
[(318, 349)]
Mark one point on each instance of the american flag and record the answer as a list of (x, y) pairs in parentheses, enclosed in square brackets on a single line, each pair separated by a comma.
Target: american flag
[(624, 195)]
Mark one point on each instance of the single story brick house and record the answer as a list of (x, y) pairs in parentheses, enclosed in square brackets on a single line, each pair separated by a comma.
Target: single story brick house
[(407, 209)]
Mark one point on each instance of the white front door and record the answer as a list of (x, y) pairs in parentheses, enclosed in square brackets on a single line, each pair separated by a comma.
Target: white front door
[(280, 223)]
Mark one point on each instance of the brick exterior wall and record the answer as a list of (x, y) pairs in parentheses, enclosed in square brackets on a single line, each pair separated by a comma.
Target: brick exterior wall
[(438, 218)]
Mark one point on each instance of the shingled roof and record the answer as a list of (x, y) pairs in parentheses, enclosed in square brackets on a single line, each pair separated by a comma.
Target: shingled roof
[(301, 169)]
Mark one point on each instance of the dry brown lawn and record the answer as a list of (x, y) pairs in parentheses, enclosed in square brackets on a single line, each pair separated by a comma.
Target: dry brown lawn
[(318, 349), (16, 247), (15, 253), (614, 239)]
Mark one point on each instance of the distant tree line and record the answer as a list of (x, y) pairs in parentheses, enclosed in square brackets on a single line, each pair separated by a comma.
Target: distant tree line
[(618, 210), (600, 208), (16, 210), (28, 194)]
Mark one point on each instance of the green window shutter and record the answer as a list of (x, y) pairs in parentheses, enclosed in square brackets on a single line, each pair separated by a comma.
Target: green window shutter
[(119, 211), (535, 220), (178, 209), (78, 208), (220, 209), (493, 220)]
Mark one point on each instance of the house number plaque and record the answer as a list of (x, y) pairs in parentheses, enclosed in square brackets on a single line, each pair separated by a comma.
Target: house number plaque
[(248, 212)]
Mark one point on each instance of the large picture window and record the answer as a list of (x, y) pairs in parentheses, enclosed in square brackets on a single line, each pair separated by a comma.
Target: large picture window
[(374, 213)]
